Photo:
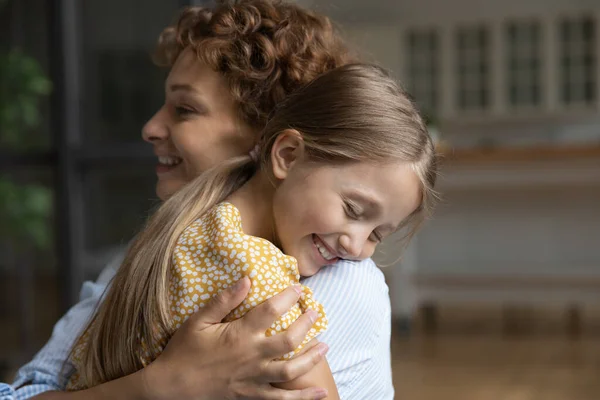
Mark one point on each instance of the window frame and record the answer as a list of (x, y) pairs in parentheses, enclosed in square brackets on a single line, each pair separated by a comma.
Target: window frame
[(424, 71), (579, 76), (473, 68), (524, 64)]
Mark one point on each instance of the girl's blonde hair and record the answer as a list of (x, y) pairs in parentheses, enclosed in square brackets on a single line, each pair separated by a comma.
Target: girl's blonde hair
[(355, 113)]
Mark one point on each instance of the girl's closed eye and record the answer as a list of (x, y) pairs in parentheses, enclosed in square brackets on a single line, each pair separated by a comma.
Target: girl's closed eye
[(352, 210), (376, 237), (355, 212)]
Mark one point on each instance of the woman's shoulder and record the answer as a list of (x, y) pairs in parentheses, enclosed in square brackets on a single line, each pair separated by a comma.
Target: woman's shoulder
[(364, 278), (356, 298), (349, 289)]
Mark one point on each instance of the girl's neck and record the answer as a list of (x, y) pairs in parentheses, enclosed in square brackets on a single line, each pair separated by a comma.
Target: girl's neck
[(254, 200)]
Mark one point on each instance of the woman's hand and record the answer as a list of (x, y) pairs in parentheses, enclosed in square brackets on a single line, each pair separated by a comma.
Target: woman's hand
[(206, 359)]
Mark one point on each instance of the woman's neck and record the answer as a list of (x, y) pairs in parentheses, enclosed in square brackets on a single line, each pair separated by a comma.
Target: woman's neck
[(254, 200)]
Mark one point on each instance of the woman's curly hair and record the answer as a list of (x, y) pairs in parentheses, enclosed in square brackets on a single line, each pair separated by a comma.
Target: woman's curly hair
[(266, 49)]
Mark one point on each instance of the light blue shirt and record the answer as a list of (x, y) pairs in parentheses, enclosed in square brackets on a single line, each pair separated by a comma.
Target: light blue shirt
[(354, 294)]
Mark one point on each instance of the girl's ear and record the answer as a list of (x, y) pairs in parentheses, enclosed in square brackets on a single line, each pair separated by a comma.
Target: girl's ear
[(287, 150)]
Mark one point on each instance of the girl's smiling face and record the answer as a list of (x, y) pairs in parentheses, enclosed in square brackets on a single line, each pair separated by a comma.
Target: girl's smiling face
[(323, 213)]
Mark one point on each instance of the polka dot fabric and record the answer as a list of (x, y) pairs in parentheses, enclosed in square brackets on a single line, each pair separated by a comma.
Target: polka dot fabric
[(214, 253)]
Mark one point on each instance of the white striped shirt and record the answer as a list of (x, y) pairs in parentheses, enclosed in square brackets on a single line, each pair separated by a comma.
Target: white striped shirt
[(356, 300), (354, 295)]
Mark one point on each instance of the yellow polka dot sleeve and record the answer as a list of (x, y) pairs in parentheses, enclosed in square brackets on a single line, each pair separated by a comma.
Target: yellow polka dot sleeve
[(214, 253)]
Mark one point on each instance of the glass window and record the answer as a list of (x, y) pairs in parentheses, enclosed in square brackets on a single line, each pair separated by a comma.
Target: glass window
[(29, 286), (524, 69), (122, 87), (117, 202), (29, 289), (578, 60), (473, 70), (423, 68), (24, 66)]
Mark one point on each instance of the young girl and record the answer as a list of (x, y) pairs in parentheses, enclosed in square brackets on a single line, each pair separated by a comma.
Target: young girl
[(342, 164)]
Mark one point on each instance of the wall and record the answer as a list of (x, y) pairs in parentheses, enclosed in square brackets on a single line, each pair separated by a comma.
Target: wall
[(384, 12), (537, 218)]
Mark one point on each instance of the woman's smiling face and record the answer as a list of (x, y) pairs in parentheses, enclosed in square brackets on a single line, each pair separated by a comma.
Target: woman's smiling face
[(198, 126)]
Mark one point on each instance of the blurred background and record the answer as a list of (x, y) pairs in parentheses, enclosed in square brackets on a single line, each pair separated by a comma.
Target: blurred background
[(498, 298)]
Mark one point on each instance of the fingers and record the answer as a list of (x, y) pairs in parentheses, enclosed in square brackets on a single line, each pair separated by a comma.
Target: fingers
[(221, 305), (285, 371), (271, 393), (288, 340), (262, 317)]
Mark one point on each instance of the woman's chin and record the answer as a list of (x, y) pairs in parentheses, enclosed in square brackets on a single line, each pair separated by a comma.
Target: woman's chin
[(165, 188)]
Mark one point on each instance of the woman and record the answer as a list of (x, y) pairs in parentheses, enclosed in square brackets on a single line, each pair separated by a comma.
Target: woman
[(228, 70)]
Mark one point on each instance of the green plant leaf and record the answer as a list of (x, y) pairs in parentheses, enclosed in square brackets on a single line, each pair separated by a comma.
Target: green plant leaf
[(24, 208)]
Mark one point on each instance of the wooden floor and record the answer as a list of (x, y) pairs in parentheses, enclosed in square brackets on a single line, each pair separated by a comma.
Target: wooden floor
[(492, 367)]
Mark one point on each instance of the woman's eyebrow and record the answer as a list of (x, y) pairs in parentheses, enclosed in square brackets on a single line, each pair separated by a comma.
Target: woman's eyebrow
[(184, 87), (194, 94)]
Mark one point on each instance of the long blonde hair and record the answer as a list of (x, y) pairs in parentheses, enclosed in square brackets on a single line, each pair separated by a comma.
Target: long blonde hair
[(351, 114)]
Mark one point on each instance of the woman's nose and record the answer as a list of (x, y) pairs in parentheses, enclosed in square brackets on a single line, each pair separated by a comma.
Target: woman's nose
[(156, 128)]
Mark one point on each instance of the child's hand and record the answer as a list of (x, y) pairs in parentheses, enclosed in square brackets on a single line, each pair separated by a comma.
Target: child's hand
[(207, 359)]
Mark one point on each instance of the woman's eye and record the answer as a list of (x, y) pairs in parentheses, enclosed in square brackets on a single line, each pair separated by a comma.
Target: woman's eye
[(183, 111)]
